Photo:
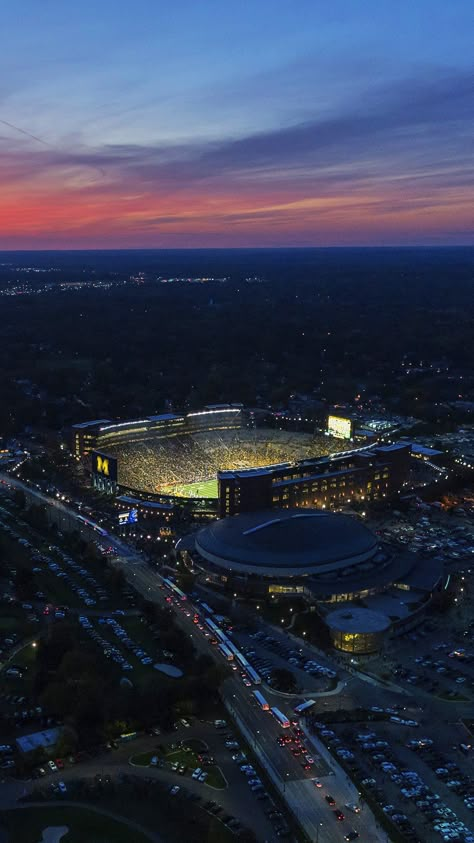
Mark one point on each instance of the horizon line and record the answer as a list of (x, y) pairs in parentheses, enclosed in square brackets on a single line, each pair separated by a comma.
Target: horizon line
[(386, 246)]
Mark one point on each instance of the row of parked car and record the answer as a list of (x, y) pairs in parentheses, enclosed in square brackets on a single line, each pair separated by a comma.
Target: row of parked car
[(124, 637), (256, 785), (109, 650), (100, 593), (42, 559)]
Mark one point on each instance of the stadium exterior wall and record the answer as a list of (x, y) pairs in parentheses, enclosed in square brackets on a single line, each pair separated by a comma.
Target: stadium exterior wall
[(327, 482)]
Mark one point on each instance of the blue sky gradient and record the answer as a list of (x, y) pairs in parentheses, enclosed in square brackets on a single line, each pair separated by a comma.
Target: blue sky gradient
[(255, 123)]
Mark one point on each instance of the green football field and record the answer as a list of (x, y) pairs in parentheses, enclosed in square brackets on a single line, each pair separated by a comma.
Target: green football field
[(204, 489)]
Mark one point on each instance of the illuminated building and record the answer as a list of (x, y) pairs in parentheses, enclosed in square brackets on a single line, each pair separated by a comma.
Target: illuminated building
[(323, 557), (357, 631), (174, 460), (327, 482), (84, 436)]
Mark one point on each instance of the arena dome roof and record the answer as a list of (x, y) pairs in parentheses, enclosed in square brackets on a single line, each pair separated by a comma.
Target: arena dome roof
[(286, 542)]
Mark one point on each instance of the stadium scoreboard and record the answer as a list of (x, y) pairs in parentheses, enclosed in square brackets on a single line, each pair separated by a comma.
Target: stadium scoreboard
[(130, 517), (340, 427)]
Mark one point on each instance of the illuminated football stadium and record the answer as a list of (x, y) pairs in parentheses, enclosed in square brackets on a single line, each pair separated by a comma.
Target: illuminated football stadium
[(174, 457), (213, 463)]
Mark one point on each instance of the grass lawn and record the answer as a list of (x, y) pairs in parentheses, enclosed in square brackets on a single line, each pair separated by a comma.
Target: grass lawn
[(204, 489), (456, 698), (140, 633), (176, 819), (196, 745), (13, 684), (26, 657), (145, 640), (143, 760), (85, 826), (10, 623), (190, 760)]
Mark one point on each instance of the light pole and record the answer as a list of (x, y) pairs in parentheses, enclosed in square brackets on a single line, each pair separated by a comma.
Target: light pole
[(319, 825)]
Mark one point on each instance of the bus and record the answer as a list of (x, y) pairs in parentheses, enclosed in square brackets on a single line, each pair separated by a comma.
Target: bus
[(242, 660), (226, 653), (210, 624), (217, 632), (127, 736), (261, 700), (233, 649), (207, 609), (304, 706), (174, 588), (282, 719), (253, 675)]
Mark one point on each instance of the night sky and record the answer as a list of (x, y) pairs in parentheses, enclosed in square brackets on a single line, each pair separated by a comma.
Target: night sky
[(140, 123)]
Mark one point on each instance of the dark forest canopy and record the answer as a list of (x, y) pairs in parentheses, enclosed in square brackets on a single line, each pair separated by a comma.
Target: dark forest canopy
[(322, 321)]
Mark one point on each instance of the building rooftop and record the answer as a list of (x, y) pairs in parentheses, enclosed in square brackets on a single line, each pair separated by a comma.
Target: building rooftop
[(81, 425), (46, 738), (427, 452), (287, 542), (357, 620)]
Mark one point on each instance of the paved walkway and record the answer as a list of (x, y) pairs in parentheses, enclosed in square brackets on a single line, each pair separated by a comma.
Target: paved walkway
[(21, 646)]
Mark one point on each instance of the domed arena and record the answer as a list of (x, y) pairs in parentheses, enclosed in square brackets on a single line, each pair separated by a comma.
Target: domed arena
[(287, 543), (323, 556)]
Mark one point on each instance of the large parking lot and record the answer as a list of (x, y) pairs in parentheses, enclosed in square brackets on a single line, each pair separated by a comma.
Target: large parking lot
[(430, 533), (265, 653), (116, 643), (51, 574), (427, 793)]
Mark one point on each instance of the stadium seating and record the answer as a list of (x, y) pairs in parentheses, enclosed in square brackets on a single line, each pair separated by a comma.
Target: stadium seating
[(164, 463)]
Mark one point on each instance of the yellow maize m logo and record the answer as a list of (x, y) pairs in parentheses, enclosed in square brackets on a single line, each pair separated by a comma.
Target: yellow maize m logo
[(102, 465)]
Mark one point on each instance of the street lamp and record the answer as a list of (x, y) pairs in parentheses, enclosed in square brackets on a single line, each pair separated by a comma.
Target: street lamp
[(319, 825)]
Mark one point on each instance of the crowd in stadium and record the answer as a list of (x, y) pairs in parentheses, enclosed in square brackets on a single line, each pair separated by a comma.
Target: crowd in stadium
[(159, 464)]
